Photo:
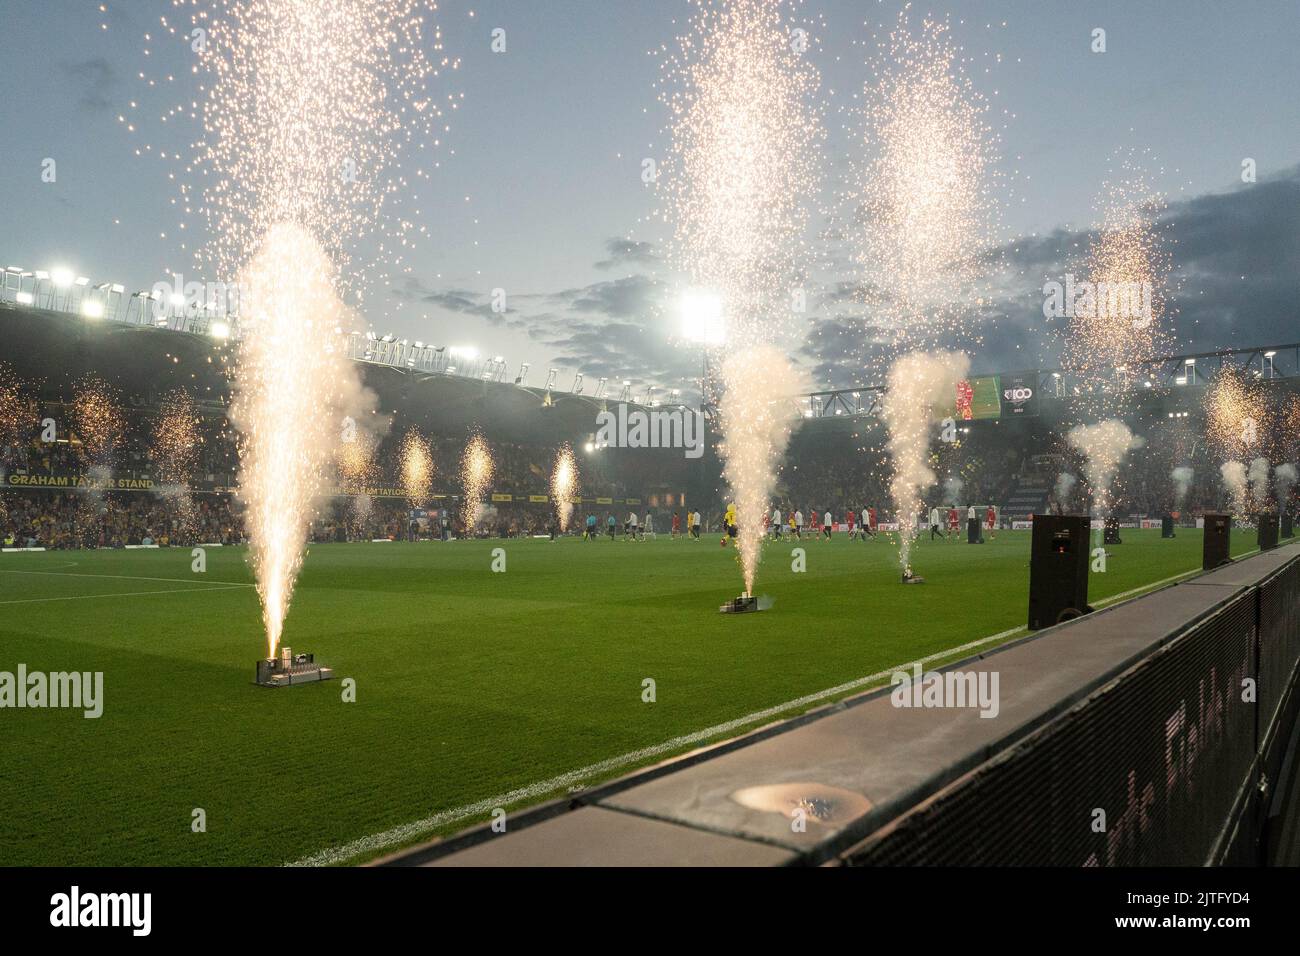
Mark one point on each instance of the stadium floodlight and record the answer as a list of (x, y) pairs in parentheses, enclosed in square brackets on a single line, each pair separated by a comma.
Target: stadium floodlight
[(600, 387), (576, 387), (60, 276), (1269, 355), (82, 281), (25, 298), (220, 330), (522, 377), (92, 309), (702, 319)]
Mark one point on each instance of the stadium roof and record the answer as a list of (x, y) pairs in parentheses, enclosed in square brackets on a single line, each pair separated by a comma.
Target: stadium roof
[(53, 349)]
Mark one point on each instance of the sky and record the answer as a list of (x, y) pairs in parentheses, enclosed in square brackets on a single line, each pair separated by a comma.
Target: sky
[(538, 188)]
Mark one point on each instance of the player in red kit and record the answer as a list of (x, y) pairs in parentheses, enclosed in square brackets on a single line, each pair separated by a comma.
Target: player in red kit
[(991, 520), (952, 521)]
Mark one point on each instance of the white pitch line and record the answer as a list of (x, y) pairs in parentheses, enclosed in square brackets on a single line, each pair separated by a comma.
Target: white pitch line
[(379, 841), (1155, 584), (127, 577), (87, 597)]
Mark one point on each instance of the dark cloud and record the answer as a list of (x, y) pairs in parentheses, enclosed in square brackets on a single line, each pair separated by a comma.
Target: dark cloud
[(1236, 257), (623, 253), (95, 80)]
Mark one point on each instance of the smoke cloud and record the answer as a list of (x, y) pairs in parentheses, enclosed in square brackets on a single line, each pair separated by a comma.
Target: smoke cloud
[(1234, 479), (1182, 476), (1065, 483), (757, 412), (1258, 476), (1104, 445), (1285, 476), (918, 383)]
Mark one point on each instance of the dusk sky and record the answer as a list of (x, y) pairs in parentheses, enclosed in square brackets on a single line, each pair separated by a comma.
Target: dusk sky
[(539, 189)]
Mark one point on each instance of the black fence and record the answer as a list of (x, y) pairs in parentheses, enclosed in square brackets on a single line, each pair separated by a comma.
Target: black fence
[(1169, 763)]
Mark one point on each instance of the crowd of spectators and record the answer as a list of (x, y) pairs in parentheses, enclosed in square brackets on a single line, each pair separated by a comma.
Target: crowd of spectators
[(87, 519)]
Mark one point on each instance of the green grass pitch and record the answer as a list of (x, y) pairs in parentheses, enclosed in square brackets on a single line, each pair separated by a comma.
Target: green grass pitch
[(469, 683)]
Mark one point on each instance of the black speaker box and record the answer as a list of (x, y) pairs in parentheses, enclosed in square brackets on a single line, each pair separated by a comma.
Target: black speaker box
[(1267, 525), (974, 534), (1167, 526), (1214, 550), (1058, 569)]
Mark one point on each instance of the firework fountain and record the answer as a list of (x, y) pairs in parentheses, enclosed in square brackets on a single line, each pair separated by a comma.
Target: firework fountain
[(952, 488), (564, 485), (358, 472), (1234, 480), (925, 217), (1104, 447), (416, 468), (287, 373), (1118, 319), (1065, 483), (99, 424), (176, 445), (1284, 476), (15, 411), (918, 385), (309, 109), (745, 132), (1182, 479), (924, 190), (1236, 414), (476, 468), (1257, 474)]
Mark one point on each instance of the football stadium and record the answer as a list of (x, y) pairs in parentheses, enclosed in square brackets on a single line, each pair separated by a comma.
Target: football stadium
[(843, 514)]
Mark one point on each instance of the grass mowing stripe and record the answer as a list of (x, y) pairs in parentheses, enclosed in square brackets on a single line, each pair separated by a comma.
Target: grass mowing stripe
[(126, 577), (122, 594)]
